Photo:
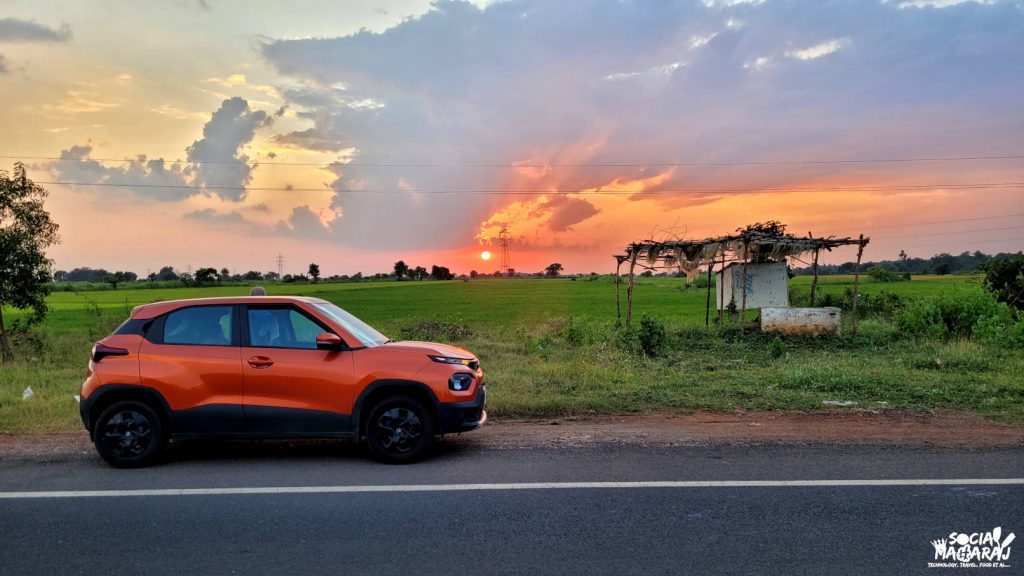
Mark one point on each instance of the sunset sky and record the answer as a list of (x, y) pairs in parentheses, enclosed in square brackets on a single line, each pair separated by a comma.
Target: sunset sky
[(353, 134)]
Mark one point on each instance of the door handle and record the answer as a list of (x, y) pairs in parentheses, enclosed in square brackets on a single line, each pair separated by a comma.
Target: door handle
[(260, 362)]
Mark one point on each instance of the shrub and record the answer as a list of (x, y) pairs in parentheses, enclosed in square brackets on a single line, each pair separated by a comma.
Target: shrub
[(777, 348), (880, 274), (955, 314), (1004, 277), (573, 332), (652, 335)]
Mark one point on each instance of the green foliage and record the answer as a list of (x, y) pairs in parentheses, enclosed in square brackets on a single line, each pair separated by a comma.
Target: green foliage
[(1004, 277), (651, 335), (957, 314), (314, 272), (880, 274), (26, 231), (777, 348)]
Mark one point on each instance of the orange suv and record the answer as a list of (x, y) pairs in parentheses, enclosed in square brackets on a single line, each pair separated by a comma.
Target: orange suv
[(272, 367)]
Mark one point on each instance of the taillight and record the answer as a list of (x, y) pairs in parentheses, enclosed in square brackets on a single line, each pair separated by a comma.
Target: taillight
[(101, 351)]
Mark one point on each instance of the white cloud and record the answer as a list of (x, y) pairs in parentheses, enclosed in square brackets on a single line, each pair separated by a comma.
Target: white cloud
[(700, 41), (758, 63), (662, 70), (818, 50)]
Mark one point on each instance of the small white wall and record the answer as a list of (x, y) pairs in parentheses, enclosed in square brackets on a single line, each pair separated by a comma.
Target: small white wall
[(826, 320), (767, 285)]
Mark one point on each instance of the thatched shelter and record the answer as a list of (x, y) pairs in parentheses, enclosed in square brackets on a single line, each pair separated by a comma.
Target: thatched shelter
[(743, 248)]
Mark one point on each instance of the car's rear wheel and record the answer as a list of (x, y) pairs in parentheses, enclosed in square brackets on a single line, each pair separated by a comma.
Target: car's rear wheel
[(399, 430), (129, 434)]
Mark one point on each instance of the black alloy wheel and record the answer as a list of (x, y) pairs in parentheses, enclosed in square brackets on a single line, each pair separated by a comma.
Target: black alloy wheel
[(129, 434), (399, 430)]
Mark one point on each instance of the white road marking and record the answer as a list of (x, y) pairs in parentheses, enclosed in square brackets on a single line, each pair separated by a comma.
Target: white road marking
[(517, 486)]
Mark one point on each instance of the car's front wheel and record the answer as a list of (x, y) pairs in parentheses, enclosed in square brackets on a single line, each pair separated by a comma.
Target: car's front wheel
[(129, 434), (399, 430)]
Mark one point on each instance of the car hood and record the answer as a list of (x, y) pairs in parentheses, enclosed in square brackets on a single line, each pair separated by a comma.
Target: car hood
[(431, 348)]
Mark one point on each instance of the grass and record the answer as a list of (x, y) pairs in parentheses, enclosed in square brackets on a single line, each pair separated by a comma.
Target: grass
[(552, 347)]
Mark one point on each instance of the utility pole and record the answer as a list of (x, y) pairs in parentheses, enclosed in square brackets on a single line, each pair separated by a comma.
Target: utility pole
[(506, 251)]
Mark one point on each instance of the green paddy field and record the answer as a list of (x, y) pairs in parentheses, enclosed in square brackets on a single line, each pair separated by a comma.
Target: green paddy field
[(551, 347)]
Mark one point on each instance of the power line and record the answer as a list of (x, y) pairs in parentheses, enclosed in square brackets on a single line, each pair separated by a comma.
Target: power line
[(587, 191), (549, 165), (993, 217), (955, 232), (933, 244)]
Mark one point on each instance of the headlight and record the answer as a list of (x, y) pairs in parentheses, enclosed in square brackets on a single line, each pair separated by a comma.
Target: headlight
[(460, 382), (450, 360)]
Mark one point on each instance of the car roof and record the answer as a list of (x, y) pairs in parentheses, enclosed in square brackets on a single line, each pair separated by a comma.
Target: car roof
[(157, 308)]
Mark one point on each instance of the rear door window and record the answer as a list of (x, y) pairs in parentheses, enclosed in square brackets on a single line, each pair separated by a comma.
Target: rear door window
[(282, 328), (200, 326)]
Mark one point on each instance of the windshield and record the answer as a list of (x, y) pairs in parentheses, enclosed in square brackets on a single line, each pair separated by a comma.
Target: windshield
[(354, 326)]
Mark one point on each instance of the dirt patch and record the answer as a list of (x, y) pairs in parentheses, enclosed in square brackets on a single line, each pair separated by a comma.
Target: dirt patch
[(940, 428), (907, 428)]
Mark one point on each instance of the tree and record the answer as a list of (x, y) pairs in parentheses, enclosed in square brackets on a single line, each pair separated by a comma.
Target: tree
[(167, 274), (115, 279), (225, 274), (314, 272), (441, 273), (553, 270), (420, 273), (206, 276), (401, 270), (271, 276), (26, 231), (1004, 277), (252, 275), (473, 273)]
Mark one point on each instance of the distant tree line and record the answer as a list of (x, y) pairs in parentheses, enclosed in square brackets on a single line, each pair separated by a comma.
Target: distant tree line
[(944, 263)]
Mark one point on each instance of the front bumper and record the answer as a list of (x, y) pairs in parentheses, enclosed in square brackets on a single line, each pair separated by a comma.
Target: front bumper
[(458, 417)]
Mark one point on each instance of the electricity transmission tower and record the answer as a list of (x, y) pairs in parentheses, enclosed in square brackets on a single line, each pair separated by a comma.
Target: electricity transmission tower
[(280, 266), (506, 251)]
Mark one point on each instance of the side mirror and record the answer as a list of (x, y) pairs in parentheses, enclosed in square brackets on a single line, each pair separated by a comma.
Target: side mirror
[(328, 341)]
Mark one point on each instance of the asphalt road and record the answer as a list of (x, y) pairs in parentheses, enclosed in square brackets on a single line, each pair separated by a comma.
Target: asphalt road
[(537, 529)]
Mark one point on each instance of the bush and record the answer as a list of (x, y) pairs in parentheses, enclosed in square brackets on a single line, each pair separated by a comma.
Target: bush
[(777, 348), (652, 335), (956, 314), (880, 274), (1004, 277), (649, 338)]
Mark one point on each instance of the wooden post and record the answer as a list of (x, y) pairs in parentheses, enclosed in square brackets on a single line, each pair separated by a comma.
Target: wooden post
[(746, 258), (707, 306), (814, 282), (720, 289), (856, 280), (618, 307), (629, 289)]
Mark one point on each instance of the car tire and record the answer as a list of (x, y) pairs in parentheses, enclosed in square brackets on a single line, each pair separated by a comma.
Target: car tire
[(129, 434), (399, 430)]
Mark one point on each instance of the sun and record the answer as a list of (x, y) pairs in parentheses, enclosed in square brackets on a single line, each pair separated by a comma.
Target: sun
[(485, 255)]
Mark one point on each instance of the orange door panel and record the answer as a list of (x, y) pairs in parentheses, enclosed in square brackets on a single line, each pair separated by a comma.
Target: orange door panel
[(302, 379), (202, 384), (290, 386)]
